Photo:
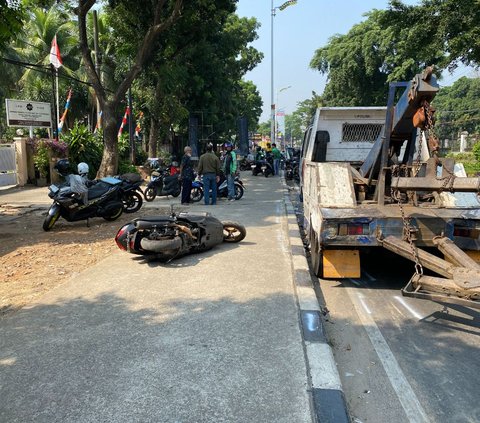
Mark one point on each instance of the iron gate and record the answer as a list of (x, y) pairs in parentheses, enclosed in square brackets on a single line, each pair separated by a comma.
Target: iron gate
[(8, 167)]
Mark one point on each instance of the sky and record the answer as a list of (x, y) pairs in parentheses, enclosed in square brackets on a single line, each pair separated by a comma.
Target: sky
[(299, 30)]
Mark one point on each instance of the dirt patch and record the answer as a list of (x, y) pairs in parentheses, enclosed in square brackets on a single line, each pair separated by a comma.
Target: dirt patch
[(34, 261)]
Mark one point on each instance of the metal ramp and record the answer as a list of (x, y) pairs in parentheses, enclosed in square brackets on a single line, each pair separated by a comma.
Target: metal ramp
[(460, 281)]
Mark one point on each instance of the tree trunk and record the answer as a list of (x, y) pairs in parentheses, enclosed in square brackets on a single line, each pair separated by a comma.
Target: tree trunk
[(153, 137), (109, 165)]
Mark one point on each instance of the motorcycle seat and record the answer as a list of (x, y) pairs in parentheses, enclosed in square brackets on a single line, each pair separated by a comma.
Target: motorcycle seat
[(98, 190)]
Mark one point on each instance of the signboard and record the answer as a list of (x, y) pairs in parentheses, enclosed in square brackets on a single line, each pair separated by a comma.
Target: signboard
[(28, 113)]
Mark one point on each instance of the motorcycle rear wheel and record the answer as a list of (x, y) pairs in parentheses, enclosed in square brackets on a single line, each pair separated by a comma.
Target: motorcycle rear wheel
[(196, 194), (150, 193), (132, 202), (233, 232), (115, 215), (50, 221), (176, 193)]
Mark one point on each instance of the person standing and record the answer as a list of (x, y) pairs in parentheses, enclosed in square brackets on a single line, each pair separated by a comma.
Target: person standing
[(276, 158), (209, 168), (186, 175), (230, 169)]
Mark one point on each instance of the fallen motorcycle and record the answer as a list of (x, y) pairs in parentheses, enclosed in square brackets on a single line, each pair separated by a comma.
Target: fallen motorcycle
[(171, 236)]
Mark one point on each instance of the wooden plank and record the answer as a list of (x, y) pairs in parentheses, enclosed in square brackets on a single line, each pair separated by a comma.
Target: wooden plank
[(341, 264), (429, 184)]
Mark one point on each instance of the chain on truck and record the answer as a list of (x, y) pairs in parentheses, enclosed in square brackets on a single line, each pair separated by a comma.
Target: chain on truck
[(372, 177)]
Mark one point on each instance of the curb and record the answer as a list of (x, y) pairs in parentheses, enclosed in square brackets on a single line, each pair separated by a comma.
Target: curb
[(328, 399)]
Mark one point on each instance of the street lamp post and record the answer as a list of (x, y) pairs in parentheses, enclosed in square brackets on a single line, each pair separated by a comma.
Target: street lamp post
[(272, 109)]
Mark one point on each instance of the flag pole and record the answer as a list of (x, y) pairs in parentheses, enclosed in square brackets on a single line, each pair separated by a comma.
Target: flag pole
[(55, 109), (58, 101)]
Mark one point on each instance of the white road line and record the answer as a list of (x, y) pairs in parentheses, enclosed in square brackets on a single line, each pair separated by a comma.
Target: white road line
[(412, 311), (364, 305), (413, 409)]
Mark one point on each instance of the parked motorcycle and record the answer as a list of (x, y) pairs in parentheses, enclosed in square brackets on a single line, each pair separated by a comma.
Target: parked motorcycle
[(245, 164), (291, 170), (162, 183), (104, 200), (132, 194), (168, 237), (264, 167), (197, 192)]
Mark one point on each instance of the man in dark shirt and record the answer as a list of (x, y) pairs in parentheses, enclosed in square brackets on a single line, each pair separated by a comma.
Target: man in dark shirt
[(186, 175), (209, 168)]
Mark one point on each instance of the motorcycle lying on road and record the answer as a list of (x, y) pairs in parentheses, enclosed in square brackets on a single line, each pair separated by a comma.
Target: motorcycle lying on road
[(162, 183), (197, 192), (168, 237), (104, 200)]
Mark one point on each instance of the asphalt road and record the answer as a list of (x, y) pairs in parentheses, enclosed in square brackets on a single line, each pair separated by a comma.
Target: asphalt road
[(211, 337), (402, 359)]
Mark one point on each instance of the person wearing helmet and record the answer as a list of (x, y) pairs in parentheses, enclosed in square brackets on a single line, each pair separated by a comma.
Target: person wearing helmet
[(79, 183), (209, 168), (230, 169)]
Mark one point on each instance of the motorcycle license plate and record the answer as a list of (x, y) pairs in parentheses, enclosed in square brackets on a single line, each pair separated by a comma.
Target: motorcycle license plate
[(264, 167), (54, 188)]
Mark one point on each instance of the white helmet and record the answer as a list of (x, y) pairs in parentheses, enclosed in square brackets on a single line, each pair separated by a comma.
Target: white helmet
[(82, 169)]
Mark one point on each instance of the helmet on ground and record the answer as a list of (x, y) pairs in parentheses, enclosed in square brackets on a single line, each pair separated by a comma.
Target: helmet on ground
[(228, 145), (62, 167), (82, 169)]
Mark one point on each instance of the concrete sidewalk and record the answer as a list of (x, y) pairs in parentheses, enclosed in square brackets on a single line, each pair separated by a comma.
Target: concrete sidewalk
[(212, 337)]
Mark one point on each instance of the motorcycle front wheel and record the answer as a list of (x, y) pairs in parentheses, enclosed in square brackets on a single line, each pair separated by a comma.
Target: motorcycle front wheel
[(132, 202), (233, 232), (238, 192), (196, 194), (50, 220), (115, 215), (150, 193)]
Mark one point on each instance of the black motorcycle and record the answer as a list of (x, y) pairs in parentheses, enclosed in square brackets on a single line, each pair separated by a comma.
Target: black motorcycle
[(291, 170), (264, 166), (197, 192), (104, 200), (162, 184), (132, 194), (168, 237)]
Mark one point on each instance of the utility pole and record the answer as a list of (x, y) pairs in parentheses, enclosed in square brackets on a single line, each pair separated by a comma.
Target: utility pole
[(97, 60)]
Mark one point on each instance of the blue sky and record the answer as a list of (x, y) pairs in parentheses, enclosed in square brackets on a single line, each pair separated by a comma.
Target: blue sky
[(298, 31)]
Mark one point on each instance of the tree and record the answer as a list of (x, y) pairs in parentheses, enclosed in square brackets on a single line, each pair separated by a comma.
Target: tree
[(162, 15), (458, 108)]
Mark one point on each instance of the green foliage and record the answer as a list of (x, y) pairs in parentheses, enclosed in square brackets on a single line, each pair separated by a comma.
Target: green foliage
[(458, 108), (43, 150), (124, 166), (470, 161), (83, 146)]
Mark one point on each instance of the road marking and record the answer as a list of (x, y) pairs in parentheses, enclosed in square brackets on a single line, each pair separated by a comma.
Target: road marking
[(412, 407), (413, 312), (362, 301)]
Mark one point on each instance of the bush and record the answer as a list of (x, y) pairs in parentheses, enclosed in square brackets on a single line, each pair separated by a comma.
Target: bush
[(83, 146), (45, 148)]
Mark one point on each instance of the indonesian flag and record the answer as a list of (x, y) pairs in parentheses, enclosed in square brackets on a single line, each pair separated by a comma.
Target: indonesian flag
[(55, 58)]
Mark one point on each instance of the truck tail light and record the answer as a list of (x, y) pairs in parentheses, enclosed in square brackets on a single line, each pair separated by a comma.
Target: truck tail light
[(465, 232), (345, 229)]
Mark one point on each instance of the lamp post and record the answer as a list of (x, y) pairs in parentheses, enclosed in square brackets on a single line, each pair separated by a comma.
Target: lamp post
[(272, 109)]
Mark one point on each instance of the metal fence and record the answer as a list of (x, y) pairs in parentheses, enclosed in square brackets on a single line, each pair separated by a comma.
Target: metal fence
[(8, 167)]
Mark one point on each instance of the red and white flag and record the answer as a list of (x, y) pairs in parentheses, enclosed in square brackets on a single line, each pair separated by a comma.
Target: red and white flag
[(55, 58)]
